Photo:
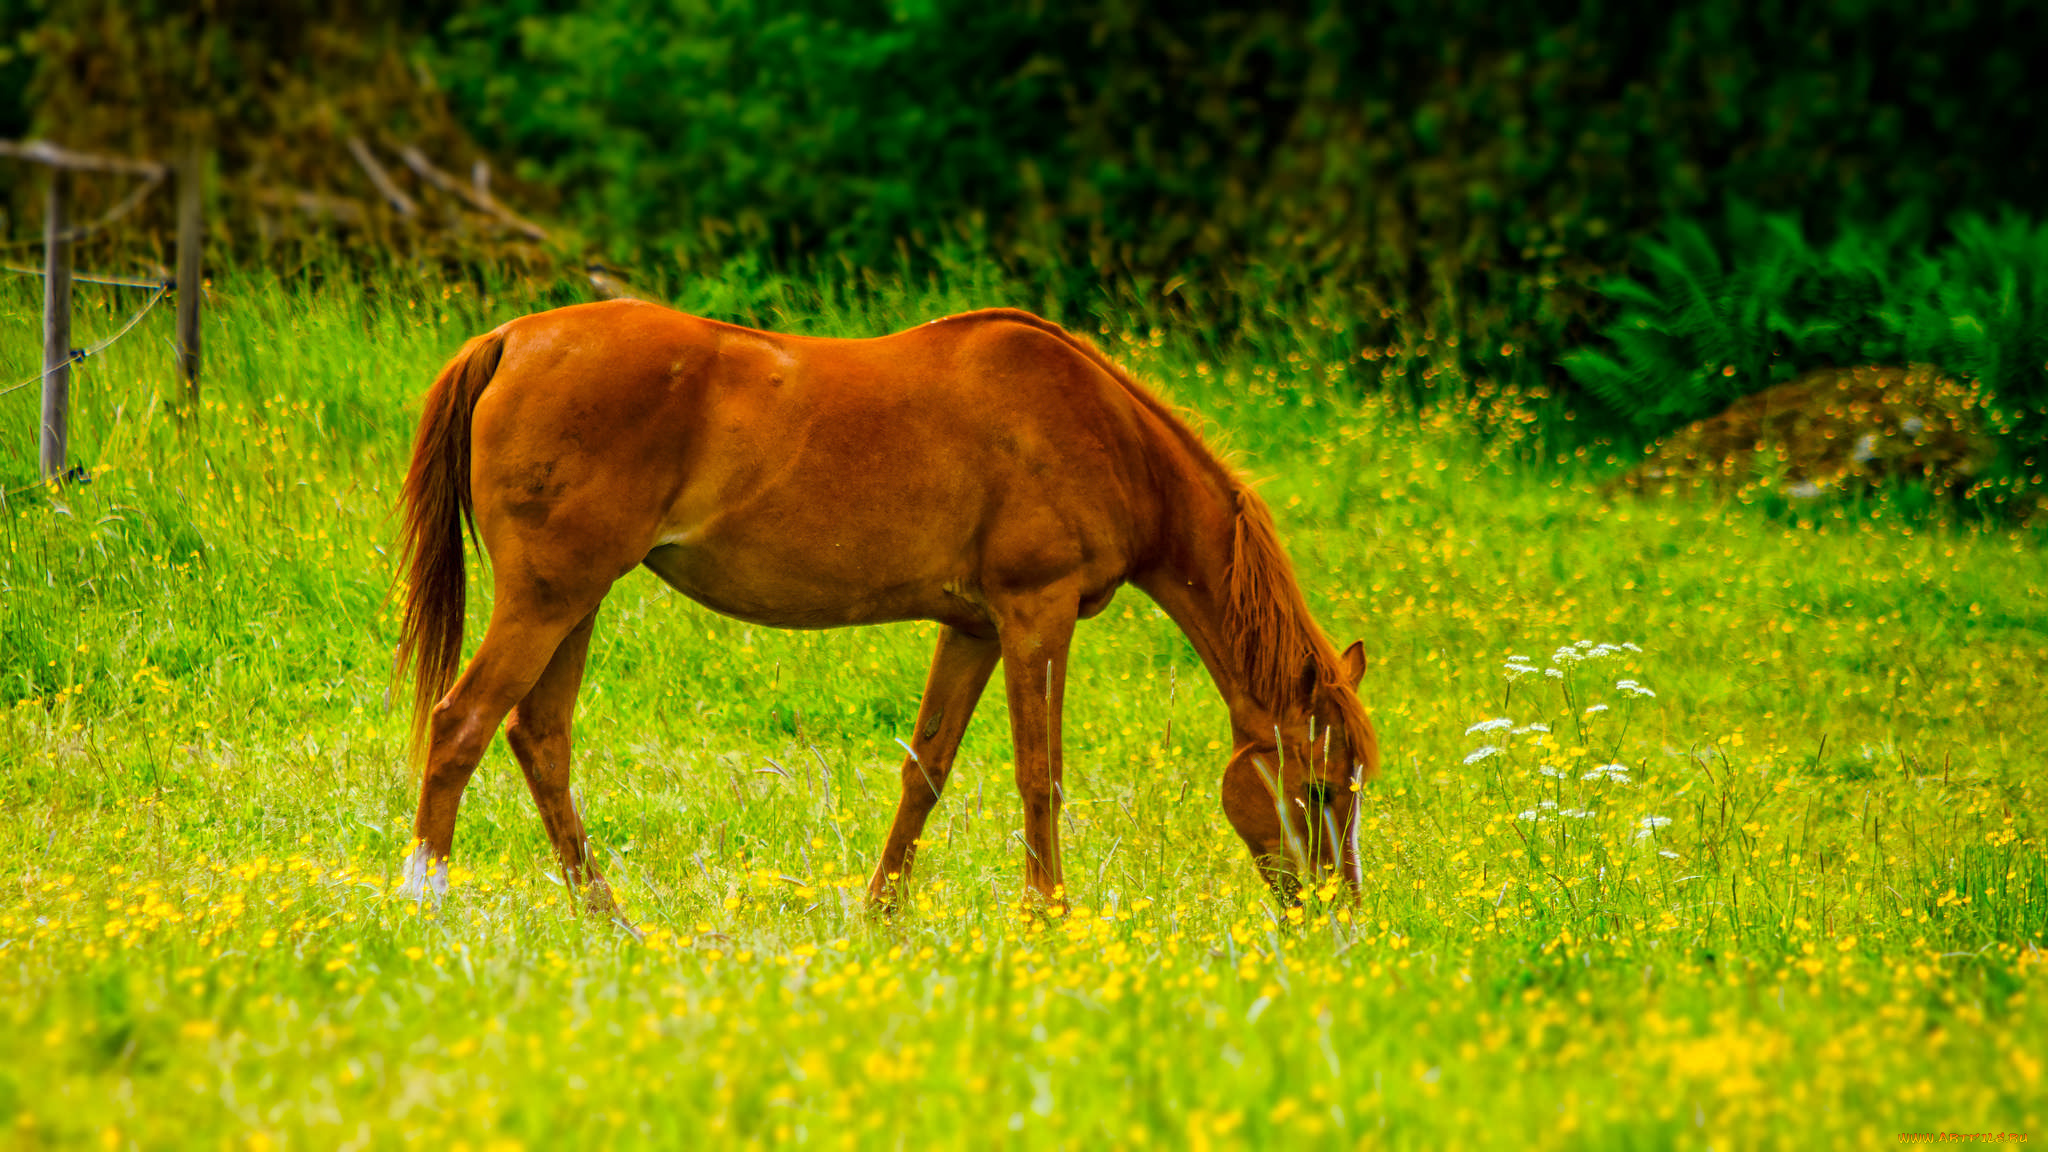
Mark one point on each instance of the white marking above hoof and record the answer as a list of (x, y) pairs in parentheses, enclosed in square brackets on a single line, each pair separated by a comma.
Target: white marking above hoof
[(424, 876)]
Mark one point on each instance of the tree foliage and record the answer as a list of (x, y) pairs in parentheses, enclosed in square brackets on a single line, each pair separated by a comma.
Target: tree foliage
[(1452, 167), (1422, 149)]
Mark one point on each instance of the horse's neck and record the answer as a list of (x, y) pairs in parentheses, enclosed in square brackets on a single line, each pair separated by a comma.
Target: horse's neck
[(1190, 581)]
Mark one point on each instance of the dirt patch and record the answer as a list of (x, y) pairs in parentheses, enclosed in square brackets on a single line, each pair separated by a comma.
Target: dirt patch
[(1832, 430)]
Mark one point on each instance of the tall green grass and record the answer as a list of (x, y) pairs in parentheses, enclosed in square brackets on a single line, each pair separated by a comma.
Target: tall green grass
[(1806, 907)]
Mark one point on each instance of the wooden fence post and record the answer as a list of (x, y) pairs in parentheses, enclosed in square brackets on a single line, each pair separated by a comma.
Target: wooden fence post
[(191, 175), (56, 331)]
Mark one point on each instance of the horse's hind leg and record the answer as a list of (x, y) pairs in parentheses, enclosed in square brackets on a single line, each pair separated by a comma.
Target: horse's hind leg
[(538, 731), (525, 631), (960, 670)]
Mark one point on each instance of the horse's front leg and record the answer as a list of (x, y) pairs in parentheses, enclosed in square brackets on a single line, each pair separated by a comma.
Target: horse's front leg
[(960, 670), (1035, 631)]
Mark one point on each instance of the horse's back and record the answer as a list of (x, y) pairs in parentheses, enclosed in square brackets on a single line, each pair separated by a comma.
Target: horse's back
[(803, 480)]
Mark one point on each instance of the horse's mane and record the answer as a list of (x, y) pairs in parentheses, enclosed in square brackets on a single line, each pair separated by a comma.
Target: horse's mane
[(1272, 629), (1273, 638)]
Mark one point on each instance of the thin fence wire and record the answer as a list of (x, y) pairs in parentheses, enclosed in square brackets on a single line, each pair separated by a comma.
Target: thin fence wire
[(75, 472), (116, 281), (151, 175), (162, 287)]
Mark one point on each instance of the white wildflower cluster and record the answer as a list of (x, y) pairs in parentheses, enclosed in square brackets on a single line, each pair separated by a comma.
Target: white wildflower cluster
[(1547, 810), (1559, 773), (1498, 724), (1580, 651), (1648, 825), (1571, 655)]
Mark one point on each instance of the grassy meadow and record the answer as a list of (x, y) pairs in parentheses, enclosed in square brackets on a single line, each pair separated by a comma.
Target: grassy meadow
[(1702, 825)]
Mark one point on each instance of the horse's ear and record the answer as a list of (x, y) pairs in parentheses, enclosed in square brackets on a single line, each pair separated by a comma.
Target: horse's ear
[(1354, 662)]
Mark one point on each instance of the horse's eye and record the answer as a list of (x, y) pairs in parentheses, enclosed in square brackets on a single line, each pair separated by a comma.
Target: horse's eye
[(1319, 792)]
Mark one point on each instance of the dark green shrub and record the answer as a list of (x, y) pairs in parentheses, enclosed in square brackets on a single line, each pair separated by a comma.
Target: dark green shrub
[(1699, 327), (1697, 330), (1984, 312)]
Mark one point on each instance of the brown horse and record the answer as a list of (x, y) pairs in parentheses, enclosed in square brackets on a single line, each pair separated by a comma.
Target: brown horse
[(990, 472)]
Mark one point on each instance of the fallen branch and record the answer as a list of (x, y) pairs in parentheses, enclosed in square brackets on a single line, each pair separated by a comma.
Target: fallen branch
[(478, 197), (608, 286), (381, 178), (340, 208), (44, 152)]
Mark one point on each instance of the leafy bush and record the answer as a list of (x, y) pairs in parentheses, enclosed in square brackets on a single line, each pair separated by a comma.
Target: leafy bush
[(1701, 329), (1983, 311)]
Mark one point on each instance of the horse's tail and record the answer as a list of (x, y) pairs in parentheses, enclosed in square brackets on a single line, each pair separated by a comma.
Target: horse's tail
[(437, 510)]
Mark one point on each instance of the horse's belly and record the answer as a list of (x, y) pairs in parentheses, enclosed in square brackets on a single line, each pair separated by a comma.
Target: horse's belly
[(812, 592)]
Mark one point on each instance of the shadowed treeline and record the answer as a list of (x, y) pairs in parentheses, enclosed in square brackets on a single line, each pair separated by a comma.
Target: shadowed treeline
[(1459, 156), (1462, 182)]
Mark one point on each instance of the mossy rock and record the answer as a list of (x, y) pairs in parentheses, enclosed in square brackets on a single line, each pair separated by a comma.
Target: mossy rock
[(1833, 430)]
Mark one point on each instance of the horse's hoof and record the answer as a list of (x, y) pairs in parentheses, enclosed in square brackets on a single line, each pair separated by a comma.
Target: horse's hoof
[(426, 878), (1040, 909), (885, 896)]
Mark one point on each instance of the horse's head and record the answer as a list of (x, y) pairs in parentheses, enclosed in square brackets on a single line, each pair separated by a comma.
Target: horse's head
[(1294, 795)]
